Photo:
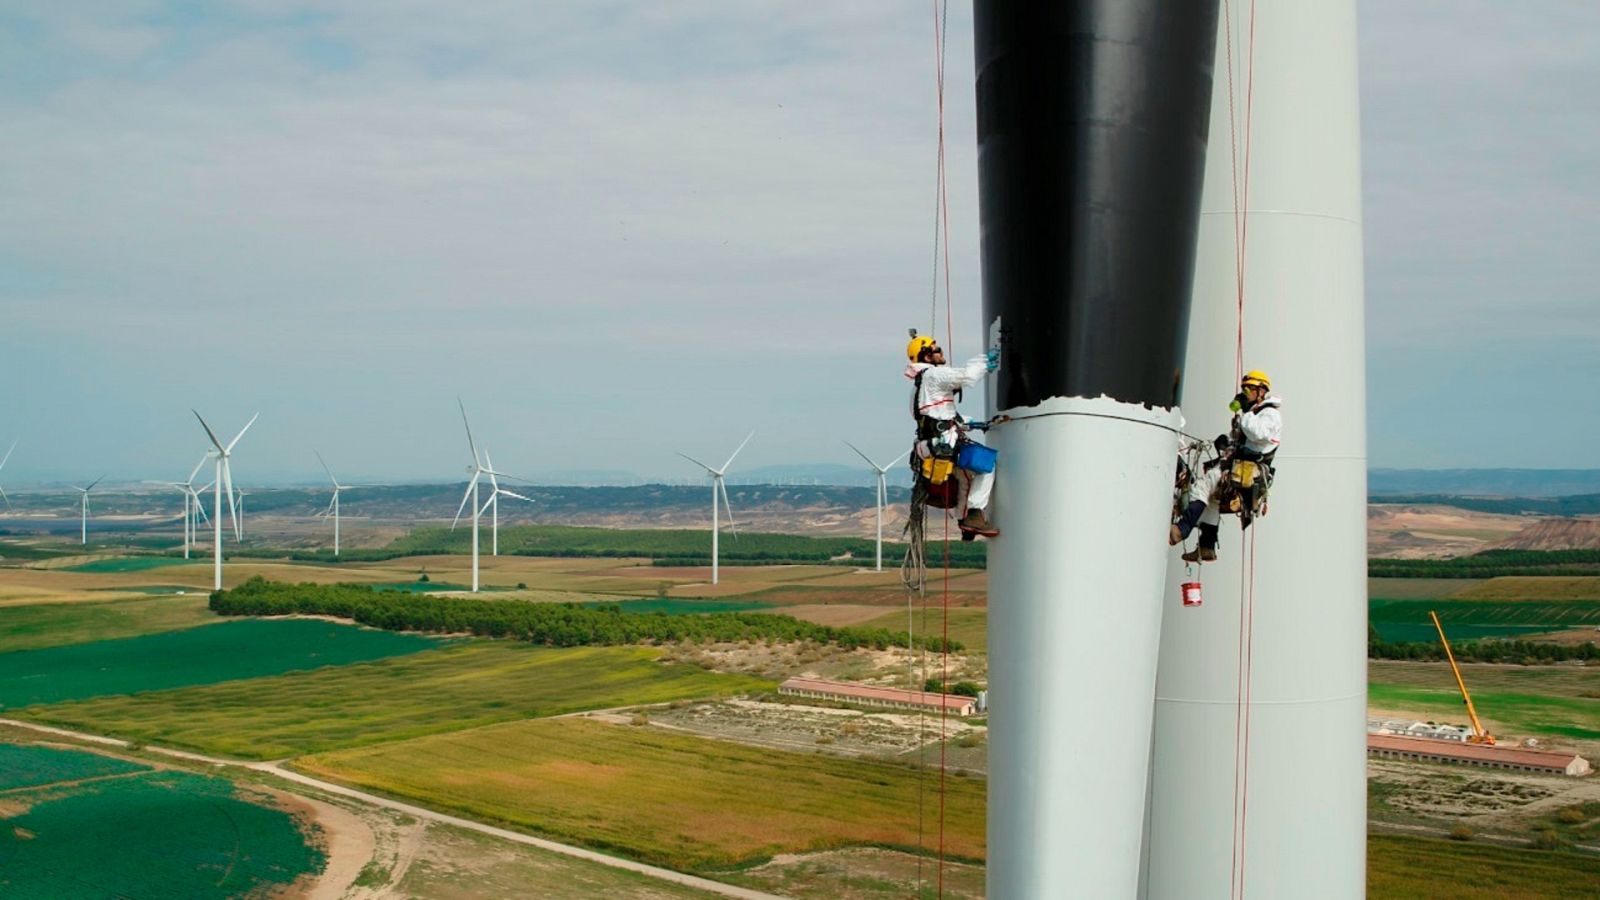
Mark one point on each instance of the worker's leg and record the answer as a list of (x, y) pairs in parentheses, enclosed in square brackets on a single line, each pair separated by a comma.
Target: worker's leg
[(978, 493)]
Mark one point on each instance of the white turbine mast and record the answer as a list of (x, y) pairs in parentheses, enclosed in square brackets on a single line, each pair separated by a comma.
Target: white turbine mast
[(494, 502), (2, 466), (480, 467), (223, 483), (883, 498), (83, 516), (333, 505), (191, 502), (718, 487)]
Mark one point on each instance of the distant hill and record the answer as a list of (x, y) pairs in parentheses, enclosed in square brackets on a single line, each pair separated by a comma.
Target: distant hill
[(1554, 534), (1483, 482)]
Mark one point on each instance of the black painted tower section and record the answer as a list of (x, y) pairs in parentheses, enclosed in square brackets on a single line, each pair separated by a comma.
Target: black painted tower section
[(1092, 123)]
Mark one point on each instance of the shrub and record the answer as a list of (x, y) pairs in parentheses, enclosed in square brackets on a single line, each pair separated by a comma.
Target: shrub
[(1460, 833), (1572, 815)]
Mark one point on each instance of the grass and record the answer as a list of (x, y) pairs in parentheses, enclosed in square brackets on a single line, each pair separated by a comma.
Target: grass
[(1414, 868), (1521, 714), (58, 624), (1418, 588), (23, 765), (127, 564), (465, 685), (458, 864), (1549, 587), (162, 834), (1465, 619), (172, 659), (671, 799), (968, 626)]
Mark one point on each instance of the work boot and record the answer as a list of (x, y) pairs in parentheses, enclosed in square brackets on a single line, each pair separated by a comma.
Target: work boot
[(1200, 554), (977, 523)]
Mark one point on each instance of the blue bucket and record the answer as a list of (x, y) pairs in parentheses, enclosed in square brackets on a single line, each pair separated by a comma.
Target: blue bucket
[(976, 458)]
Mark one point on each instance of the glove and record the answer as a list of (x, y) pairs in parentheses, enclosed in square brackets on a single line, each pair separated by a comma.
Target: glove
[(992, 360)]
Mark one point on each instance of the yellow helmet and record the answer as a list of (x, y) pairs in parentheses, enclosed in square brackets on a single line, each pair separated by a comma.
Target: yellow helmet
[(1256, 377), (919, 343)]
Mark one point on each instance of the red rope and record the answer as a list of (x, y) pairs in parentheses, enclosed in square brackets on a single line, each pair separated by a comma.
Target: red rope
[(1241, 223)]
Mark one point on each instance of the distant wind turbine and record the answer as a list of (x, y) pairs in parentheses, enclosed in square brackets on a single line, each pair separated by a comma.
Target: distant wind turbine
[(883, 498), (480, 467), (494, 502), (333, 505), (2, 466), (718, 487), (224, 483), (191, 502), (83, 517)]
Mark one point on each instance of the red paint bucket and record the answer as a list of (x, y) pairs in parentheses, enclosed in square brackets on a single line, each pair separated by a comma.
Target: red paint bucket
[(1191, 593)]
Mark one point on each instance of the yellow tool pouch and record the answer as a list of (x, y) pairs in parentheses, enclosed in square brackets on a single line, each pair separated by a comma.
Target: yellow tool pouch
[(1244, 473), (937, 470)]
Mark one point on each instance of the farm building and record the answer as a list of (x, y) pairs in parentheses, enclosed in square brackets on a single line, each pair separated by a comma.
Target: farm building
[(868, 695), (1392, 746)]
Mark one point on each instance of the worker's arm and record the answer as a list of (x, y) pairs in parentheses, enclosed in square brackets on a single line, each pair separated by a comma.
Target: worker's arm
[(957, 377), (1262, 426)]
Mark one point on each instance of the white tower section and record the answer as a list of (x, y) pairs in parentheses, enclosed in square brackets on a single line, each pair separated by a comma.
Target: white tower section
[(1295, 826)]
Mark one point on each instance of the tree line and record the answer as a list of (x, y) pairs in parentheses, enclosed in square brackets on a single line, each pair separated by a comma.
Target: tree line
[(1485, 650), (1491, 564), (554, 624)]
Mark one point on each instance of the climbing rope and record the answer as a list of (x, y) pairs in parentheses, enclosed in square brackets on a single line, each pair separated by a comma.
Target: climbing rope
[(1241, 223)]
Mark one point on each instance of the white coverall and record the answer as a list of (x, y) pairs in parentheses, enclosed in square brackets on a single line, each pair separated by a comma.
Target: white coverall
[(1262, 426), (937, 400), (1203, 487)]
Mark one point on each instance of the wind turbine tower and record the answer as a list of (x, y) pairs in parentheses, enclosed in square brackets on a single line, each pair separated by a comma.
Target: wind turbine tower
[(494, 502), (224, 483), (83, 516), (191, 503), (883, 499), (333, 505), (480, 467), (718, 487), (2, 466)]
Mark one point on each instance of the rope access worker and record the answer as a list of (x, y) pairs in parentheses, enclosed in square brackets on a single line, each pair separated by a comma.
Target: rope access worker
[(1254, 437), (933, 404)]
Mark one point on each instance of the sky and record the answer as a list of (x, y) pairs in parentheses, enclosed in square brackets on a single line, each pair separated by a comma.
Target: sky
[(618, 230)]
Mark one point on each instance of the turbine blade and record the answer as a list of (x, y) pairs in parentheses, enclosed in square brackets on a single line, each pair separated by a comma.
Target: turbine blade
[(471, 445), (209, 433), (464, 498), (236, 437), (736, 452), (723, 485), (8, 455), (489, 469), (860, 454), (197, 466), (94, 482), (697, 462), (326, 469), (5, 498), (516, 495), (233, 509), (329, 511), (200, 505)]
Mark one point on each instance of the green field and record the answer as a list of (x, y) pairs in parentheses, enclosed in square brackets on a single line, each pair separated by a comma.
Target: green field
[(23, 765), (222, 652), (1418, 588), (968, 627), (1522, 714), (58, 624), (462, 686), (127, 564), (1407, 620), (671, 799), (1413, 868), (162, 834)]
